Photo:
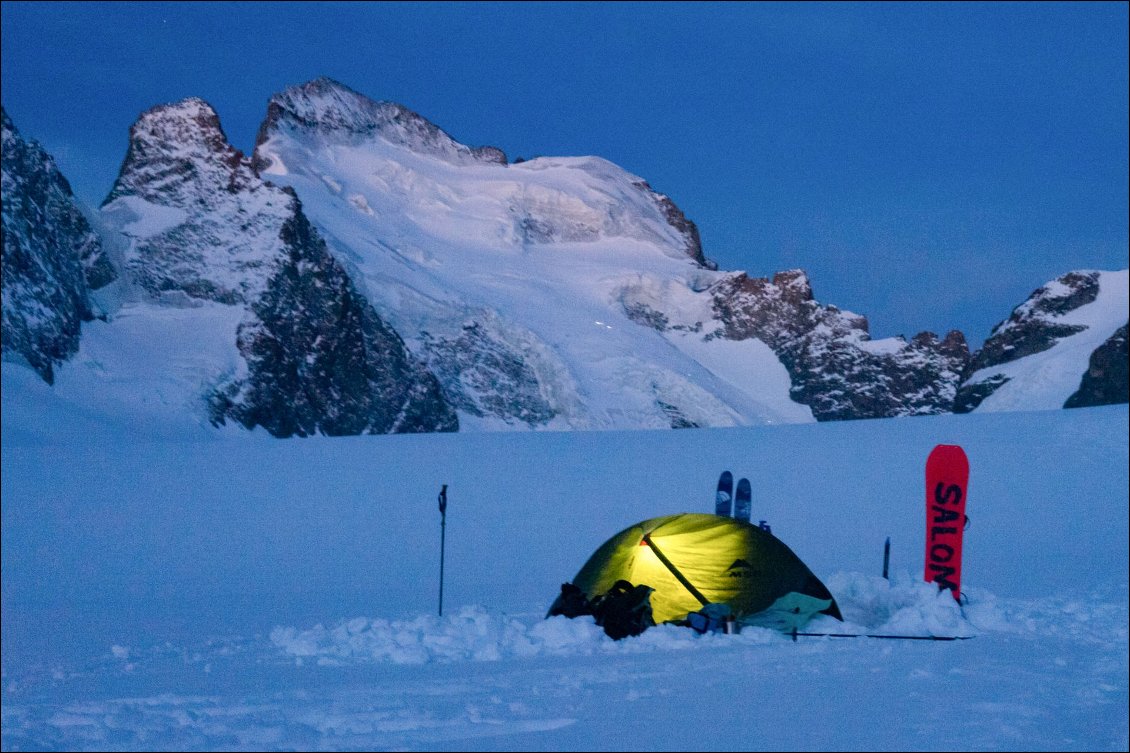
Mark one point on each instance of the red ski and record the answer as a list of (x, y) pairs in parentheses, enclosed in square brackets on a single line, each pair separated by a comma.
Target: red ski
[(947, 484)]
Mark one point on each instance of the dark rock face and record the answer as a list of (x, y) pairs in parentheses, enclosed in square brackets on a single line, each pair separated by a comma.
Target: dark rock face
[(676, 219), (179, 153), (643, 314), (485, 376), (676, 416), (969, 396), (204, 227), (1030, 329), (321, 361), (51, 258), (834, 367), (775, 311), (489, 154), (1107, 380)]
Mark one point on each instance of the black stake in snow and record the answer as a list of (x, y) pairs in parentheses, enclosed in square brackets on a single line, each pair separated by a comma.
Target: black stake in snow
[(794, 635), (442, 536), (886, 557)]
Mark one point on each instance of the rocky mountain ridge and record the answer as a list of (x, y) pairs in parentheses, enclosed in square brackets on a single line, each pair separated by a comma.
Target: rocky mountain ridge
[(392, 279), (836, 368)]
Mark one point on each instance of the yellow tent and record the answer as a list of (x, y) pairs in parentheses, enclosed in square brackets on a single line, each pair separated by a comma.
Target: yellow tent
[(695, 559)]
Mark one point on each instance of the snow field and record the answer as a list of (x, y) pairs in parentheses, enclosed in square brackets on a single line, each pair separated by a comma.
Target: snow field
[(230, 591)]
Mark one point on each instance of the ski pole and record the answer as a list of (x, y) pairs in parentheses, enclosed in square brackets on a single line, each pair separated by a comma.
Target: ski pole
[(442, 537), (886, 557)]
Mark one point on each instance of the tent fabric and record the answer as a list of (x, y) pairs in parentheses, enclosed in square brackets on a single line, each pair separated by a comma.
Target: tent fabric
[(725, 560)]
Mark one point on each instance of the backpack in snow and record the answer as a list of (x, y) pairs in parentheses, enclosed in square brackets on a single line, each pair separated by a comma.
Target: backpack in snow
[(572, 602), (624, 610)]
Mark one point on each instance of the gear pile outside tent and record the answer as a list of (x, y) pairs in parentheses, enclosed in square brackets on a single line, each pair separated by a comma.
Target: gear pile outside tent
[(695, 563)]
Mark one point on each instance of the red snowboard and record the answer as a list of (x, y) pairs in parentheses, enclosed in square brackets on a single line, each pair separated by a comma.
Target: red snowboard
[(947, 483)]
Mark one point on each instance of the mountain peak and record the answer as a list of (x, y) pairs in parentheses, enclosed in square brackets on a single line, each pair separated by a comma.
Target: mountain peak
[(330, 111), (795, 283), (187, 107), (189, 123), (178, 146), (328, 106)]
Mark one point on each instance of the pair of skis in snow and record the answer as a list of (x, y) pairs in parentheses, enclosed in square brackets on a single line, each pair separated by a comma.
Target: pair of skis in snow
[(735, 503), (724, 498)]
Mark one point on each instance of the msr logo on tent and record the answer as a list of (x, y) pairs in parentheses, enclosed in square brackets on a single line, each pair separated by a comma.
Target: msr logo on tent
[(740, 569)]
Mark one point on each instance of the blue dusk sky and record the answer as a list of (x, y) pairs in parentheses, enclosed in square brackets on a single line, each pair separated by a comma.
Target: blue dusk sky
[(928, 164)]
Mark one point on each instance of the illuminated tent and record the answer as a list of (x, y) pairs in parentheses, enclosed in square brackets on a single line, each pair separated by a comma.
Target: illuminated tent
[(692, 560)]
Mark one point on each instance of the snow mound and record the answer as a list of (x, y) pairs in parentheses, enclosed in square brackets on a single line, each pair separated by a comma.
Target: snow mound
[(473, 634), (904, 606), (870, 604)]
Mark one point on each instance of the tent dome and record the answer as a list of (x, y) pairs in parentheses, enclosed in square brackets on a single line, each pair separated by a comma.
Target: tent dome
[(693, 559)]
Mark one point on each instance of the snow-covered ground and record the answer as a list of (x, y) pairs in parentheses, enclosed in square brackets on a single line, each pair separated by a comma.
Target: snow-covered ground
[(225, 590)]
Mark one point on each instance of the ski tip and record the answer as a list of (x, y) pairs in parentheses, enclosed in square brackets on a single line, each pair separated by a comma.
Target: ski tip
[(724, 495)]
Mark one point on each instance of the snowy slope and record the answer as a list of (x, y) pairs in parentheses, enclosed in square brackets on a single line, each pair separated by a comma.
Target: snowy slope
[(147, 371), (1046, 378), (223, 591), (536, 257)]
